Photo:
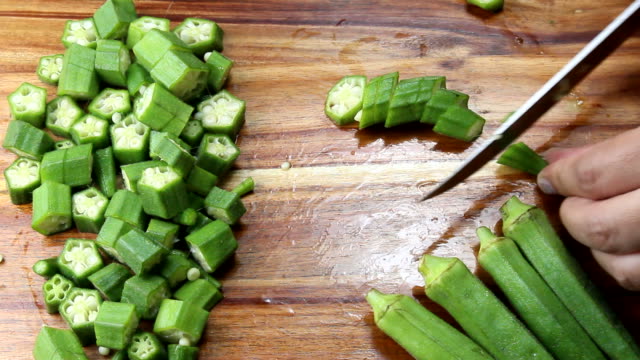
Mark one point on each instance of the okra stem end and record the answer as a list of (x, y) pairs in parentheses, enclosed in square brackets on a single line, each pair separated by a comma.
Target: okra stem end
[(379, 302), (431, 267), (485, 235), (512, 210)]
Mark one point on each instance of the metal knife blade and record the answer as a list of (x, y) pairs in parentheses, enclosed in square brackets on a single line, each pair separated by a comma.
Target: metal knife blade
[(550, 93)]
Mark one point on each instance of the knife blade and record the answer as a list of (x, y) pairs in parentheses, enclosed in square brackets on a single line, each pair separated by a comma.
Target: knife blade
[(550, 93)]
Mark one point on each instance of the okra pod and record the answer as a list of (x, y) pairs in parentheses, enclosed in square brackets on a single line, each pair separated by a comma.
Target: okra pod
[(112, 62), (77, 165), (89, 207), (154, 45), (182, 352), (82, 32), (49, 68), (187, 217), (78, 78), (146, 346), (212, 244), (79, 310), (58, 344), (219, 69), (178, 320), (138, 79), (174, 268), (344, 100), (410, 98), (62, 113), (246, 186), (138, 251), (131, 173), (130, 140), (55, 291), (63, 144), (51, 208), (104, 171), (224, 205), (530, 228), (162, 192), (459, 123), (217, 154), (159, 109), (159, 136), (478, 311), (192, 133), (115, 324), (490, 5), (22, 177), (222, 113), (199, 292), (109, 281), (112, 19), (420, 332), (91, 130), (521, 157), (173, 154), (146, 292), (52, 166), (200, 35), (26, 140), (182, 73), (79, 259), (110, 232), (377, 96), (440, 101), (109, 102), (200, 181), (28, 103), (46, 267), (163, 232), (142, 25)]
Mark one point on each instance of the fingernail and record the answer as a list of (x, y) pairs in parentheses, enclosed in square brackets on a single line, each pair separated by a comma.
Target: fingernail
[(545, 185)]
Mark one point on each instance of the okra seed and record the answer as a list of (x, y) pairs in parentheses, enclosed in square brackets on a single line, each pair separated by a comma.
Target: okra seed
[(207, 56), (103, 350), (184, 341), (285, 165), (116, 117), (193, 274), (75, 26), (55, 76), (71, 38)]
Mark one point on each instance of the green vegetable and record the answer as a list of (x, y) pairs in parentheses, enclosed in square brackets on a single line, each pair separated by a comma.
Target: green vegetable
[(199, 292), (222, 113), (112, 62), (179, 320), (49, 68), (181, 352), (521, 157), (82, 32), (490, 5), (138, 251), (146, 292), (46, 267), (57, 344), (104, 171), (131, 173), (459, 123), (146, 346), (112, 19), (420, 332), (173, 154), (246, 186), (138, 79), (530, 228), (78, 78), (110, 102), (56, 290), (130, 140), (142, 25), (26, 140), (63, 144), (79, 310), (51, 208), (161, 110), (187, 217), (79, 259), (533, 300), (200, 181), (62, 113), (162, 192), (182, 73), (192, 133), (158, 136), (212, 244), (200, 35), (483, 317), (163, 232), (344, 100), (28, 103), (91, 130), (109, 281), (115, 324), (410, 98), (154, 45), (174, 268), (120, 355), (22, 177), (219, 69), (52, 166), (217, 153), (110, 232), (377, 96), (71, 166), (224, 205), (440, 101)]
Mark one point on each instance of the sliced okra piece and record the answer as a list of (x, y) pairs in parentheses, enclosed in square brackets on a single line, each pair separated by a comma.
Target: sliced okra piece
[(79, 259), (130, 139), (490, 5), (180, 321), (199, 292), (344, 100), (173, 154), (22, 177), (115, 324), (224, 205), (459, 123), (91, 130), (120, 355), (212, 245), (202, 274), (89, 207), (112, 62), (78, 163), (174, 268), (112, 19), (26, 140), (52, 343), (28, 103), (377, 96), (182, 352), (109, 281), (146, 292), (200, 222), (146, 346), (187, 217), (192, 133), (217, 153), (138, 251), (49, 68), (64, 144), (222, 113), (109, 102), (163, 232), (127, 206), (62, 113), (110, 232), (55, 291), (142, 25), (138, 79), (157, 107), (82, 32), (440, 101), (46, 267), (201, 35), (159, 136), (247, 185), (104, 171), (52, 166), (131, 173), (79, 78), (182, 73), (522, 157), (51, 208), (154, 45), (410, 97), (79, 310), (162, 192), (200, 181), (196, 201), (219, 69)]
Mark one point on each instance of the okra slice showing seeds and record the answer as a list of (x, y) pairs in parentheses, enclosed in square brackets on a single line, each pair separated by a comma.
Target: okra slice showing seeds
[(440, 101), (212, 245), (199, 292), (146, 292), (127, 206), (162, 192), (142, 25), (130, 140), (79, 259), (112, 62), (344, 100), (26, 140), (61, 343), (146, 346), (80, 310), (91, 130), (89, 207), (104, 171), (49, 68), (46, 267), (182, 352), (459, 123), (224, 205), (201, 35), (22, 177), (52, 166), (377, 96), (222, 113), (521, 157), (154, 45), (182, 73), (180, 322), (82, 32), (55, 291), (115, 324), (109, 281), (51, 208), (410, 98), (28, 103), (192, 133), (131, 173), (138, 79), (217, 153), (109, 102), (62, 113), (79, 78), (109, 234), (138, 251), (112, 19), (219, 69)]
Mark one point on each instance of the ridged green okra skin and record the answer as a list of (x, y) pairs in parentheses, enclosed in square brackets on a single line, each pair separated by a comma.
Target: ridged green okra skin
[(199, 292), (78, 78), (200, 35), (159, 109), (200, 181), (115, 324), (224, 205), (219, 69), (55, 291), (57, 344), (110, 232), (531, 229), (112, 62), (182, 73), (79, 310), (142, 25), (110, 280), (181, 352), (49, 68), (112, 19), (533, 299), (344, 99), (521, 157), (146, 292), (104, 171), (479, 312), (51, 208), (212, 245), (222, 113), (22, 178), (163, 232), (246, 186), (459, 123), (174, 268), (440, 101), (28, 103), (173, 154), (154, 45), (79, 259), (423, 334), (138, 79), (138, 251), (178, 320), (410, 98), (377, 96), (192, 133), (46, 267), (26, 140)]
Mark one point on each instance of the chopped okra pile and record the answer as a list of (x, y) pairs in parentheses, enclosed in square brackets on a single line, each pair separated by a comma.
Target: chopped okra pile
[(141, 105)]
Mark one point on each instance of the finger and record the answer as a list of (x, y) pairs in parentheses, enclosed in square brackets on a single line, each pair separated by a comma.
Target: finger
[(602, 170), (611, 225), (625, 269), (555, 154)]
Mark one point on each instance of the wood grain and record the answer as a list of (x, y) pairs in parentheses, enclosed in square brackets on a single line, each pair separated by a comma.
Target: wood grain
[(344, 218)]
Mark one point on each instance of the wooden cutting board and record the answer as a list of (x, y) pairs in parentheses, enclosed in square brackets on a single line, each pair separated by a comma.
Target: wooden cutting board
[(344, 218)]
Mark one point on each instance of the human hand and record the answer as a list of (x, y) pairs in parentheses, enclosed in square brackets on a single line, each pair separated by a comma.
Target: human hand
[(602, 208)]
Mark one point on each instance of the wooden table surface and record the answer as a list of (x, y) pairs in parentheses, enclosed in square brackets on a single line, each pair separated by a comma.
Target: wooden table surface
[(344, 218)]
